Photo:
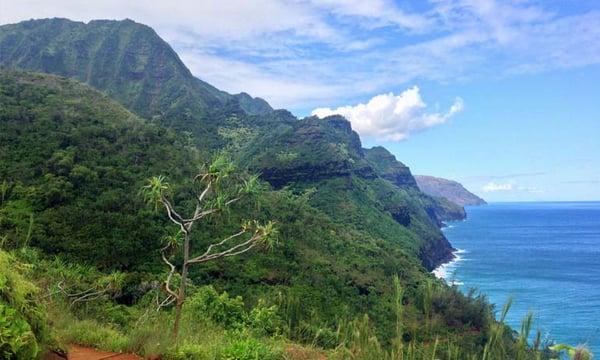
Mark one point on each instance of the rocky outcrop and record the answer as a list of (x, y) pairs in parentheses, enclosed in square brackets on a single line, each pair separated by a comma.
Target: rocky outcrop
[(436, 252)]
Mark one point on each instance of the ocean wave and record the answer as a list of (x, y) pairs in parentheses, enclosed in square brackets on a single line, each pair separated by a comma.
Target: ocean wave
[(445, 271)]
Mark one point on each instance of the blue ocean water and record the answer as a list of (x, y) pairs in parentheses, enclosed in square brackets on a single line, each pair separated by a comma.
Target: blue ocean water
[(545, 255)]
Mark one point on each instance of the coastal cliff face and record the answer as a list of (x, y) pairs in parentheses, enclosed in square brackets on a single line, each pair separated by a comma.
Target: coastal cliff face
[(448, 189), (386, 166)]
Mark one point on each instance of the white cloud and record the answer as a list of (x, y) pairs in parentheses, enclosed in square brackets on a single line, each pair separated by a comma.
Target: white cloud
[(392, 117), (494, 187), (341, 50), (281, 91)]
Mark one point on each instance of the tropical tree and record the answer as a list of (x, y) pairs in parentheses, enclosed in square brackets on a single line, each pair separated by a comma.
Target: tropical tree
[(217, 186)]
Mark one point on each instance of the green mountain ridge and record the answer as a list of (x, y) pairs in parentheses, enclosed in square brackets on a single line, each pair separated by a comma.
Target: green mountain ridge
[(74, 160), (74, 156), (132, 76), (130, 63)]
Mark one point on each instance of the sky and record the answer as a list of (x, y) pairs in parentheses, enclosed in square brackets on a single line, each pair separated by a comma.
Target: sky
[(502, 96)]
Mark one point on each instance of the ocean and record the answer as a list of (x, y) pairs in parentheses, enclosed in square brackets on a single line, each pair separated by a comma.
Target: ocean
[(546, 256)]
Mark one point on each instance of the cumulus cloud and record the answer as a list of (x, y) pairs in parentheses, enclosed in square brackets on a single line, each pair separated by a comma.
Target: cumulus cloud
[(392, 117), (494, 187)]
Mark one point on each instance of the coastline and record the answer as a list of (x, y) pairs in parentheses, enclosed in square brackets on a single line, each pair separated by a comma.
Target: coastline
[(446, 270)]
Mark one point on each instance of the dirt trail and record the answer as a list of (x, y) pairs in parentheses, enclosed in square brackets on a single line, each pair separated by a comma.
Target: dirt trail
[(83, 353)]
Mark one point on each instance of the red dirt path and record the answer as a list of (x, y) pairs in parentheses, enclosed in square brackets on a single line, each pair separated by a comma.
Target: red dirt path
[(83, 353)]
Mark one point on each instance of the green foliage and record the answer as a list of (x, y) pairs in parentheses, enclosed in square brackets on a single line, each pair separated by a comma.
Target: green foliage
[(264, 320), (72, 161), (574, 352), (230, 313), (155, 190), (17, 340), (249, 349), (131, 63), (220, 308), (23, 327)]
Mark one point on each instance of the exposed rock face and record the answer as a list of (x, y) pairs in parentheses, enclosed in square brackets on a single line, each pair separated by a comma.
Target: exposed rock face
[(448, 189), (311, 149), (437, 252)]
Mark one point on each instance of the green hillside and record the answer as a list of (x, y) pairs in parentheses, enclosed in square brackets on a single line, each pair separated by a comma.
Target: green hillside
[(73, 160), (348, 279), (130, 63)]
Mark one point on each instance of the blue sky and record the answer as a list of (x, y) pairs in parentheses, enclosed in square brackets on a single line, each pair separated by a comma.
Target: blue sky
[(503, 96)]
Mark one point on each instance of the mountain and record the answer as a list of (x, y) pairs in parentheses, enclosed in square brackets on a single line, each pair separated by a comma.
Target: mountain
[(74, 159), (448, 189), (130, 63), (326, 155), (399, 174)]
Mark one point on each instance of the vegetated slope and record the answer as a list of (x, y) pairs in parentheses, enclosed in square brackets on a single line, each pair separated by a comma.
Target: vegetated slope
[(326, 157), (130, 63), (448, 189), (134, 66), (73, 161), (399, 174)]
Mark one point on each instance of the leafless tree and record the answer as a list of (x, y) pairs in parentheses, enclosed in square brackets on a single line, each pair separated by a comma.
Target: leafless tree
[(214, 194)]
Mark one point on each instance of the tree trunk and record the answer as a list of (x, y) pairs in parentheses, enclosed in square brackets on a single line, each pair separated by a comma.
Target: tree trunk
[(181, 295)]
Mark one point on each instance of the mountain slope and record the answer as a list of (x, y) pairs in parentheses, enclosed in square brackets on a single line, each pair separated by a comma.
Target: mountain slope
[(325, 156), (399, 174), (130, 63), (74, 162), (448, 189)]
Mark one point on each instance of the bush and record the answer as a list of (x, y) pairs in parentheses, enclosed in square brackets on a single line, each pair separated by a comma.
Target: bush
[(17, 341), (221, 309), (249, 349), (188, 351), (265, 320), (23, 329)]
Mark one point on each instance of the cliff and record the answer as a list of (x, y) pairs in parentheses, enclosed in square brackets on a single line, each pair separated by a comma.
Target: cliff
[(448, 189)]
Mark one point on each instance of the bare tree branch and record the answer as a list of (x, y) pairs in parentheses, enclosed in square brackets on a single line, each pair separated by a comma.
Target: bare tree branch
[(229, 252), (203, 194), (217, 245), (167, 283)]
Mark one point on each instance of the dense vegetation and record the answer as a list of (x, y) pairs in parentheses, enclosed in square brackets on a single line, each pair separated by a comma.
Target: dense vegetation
[(80, 259), (130, 63)]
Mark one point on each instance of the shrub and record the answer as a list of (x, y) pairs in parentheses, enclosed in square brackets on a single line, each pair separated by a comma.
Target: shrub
[(23, 330), (249, 349), (265, 320), (17, 341), (221, 309), (188, 351)]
